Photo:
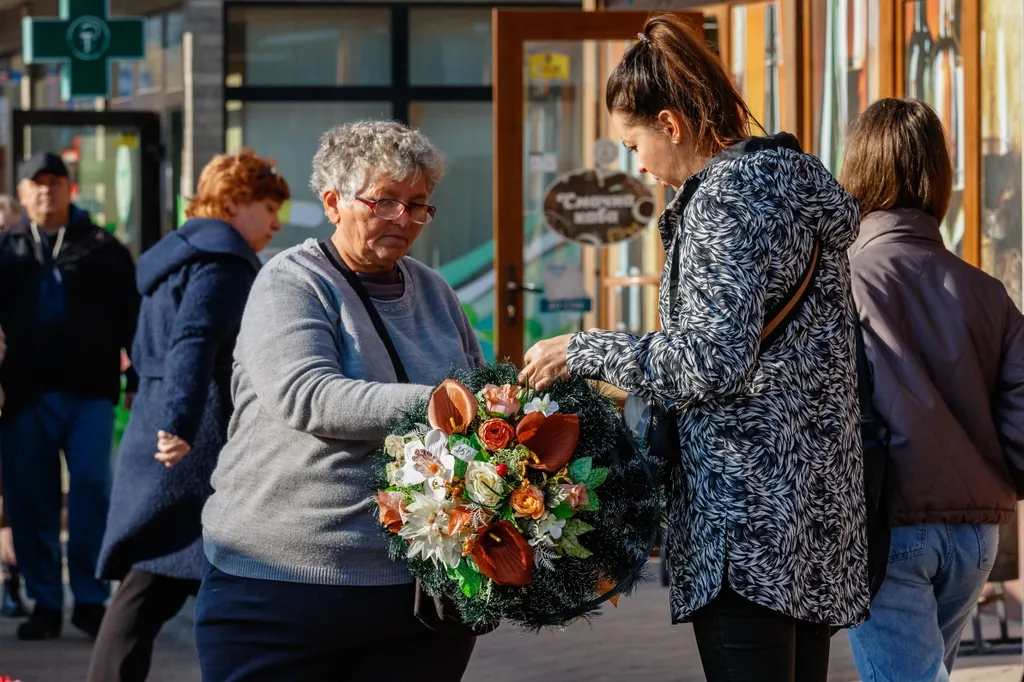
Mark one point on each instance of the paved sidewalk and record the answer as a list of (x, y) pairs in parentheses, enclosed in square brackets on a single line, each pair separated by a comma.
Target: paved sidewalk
[(634, 642)]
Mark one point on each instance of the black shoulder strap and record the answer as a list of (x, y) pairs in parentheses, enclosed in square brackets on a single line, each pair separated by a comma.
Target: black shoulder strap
[(378, 324)]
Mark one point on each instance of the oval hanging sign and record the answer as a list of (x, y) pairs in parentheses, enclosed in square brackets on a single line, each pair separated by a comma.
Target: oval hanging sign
[(598, 207)]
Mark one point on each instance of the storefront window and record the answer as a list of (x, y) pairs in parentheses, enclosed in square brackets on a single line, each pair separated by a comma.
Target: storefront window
[(450, 46), (459, 243), (1002, 132), (757, 66), (309, 46), (151, 69), (289, 132), (935, 74), (173, 30), (846, 71)]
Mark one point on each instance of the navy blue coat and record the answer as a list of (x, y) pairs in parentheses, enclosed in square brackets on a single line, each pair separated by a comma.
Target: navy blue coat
[(194, 283)]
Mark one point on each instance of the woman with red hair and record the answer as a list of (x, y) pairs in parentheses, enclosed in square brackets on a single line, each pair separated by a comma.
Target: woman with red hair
[(194, 284)]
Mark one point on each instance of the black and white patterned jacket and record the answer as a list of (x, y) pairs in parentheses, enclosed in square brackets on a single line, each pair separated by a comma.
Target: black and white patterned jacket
[(771, 486)]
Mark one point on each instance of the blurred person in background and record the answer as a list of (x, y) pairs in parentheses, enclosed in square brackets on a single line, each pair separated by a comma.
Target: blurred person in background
[(194, 283), (10, 212), (68, 307), (11, 605), (946, 343)]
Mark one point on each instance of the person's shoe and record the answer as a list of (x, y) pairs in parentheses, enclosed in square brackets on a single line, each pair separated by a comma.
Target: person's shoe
[(87, 618), (42, 624), (12, 606)]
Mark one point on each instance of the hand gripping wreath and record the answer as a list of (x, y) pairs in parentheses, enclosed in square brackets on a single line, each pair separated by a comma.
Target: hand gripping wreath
[(518, 506)]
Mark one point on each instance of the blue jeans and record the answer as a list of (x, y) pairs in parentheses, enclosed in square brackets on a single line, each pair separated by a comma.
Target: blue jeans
[(935, 575), (30, 445)]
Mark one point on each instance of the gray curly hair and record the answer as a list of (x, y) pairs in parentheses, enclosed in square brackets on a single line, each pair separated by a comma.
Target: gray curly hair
[(356, 155)]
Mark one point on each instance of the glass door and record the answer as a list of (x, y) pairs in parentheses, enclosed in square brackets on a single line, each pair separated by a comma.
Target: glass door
[(574, 221), (114, 161)]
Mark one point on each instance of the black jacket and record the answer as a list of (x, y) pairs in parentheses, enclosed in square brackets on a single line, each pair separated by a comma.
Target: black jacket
[(101, 302)]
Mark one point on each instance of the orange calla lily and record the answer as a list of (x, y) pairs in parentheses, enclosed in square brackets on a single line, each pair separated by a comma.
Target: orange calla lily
[(604, 586), (503, 555), (552, 440), (452, 408)]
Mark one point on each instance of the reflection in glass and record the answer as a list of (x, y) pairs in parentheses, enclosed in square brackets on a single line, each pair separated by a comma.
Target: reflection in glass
[(846, 43), (459, 243), (935, 75), (309, 46), (757, 66), (552, 144), (450, 46), (1002, 131)]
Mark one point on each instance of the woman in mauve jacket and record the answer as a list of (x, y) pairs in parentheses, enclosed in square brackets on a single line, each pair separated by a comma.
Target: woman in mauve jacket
[(947, 347), (767, 543)]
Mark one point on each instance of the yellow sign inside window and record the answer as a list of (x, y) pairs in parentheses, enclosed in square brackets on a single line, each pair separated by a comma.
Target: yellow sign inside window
[(549, 66)]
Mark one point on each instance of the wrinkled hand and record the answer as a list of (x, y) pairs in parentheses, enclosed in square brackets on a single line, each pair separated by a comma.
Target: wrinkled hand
[(170, 448), (545, 362)]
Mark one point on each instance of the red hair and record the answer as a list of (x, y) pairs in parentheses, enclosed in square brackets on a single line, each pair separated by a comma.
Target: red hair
[(239, 179)]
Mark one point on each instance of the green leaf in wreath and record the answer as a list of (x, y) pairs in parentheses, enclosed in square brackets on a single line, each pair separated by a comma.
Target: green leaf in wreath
[(593, 503), (570, 542), (469, 579), (571, 547), (563, 511), (579, 471), (460, 468), (597, 477), (576, 527)]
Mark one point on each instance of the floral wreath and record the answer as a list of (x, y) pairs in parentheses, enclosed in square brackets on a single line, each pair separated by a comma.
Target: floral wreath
[(519, 506)]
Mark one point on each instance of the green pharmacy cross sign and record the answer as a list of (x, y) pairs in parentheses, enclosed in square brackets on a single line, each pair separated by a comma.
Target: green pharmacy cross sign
[(84, 39)]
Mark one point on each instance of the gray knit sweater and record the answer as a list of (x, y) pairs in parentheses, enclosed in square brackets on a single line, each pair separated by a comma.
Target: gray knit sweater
[(314, 394)]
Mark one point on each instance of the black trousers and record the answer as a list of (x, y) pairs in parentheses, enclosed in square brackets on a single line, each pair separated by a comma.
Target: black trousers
[(740, 641), (250, 630), (140, 607)]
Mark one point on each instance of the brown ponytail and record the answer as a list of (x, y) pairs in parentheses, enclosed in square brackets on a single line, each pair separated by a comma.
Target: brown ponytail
[(671, 68)]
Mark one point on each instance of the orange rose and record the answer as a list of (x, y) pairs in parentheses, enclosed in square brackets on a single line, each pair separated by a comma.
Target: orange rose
[(575, 495), (528, 500), (495, 434)]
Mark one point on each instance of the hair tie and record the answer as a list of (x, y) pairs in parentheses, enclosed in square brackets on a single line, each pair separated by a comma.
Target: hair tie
[(642, 38)]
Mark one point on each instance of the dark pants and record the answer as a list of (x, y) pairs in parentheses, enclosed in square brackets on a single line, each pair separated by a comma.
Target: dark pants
[(30, 445), (251, 630), (740, 641), (140, 607)]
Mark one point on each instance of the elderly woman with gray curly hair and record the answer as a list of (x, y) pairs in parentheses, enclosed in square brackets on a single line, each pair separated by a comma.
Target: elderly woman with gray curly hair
[(338, 337)]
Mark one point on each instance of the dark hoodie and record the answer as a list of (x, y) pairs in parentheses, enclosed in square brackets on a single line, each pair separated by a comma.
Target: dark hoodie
[(67, 334), (194, 284)]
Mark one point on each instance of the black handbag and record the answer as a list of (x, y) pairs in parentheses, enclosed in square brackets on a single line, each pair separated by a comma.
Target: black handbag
[(437, 613), (656, 424)]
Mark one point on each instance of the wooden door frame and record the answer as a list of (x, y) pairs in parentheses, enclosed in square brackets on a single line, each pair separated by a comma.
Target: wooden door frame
[(511, 28)]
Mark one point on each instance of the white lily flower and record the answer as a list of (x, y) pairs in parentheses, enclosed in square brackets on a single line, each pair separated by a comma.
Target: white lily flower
[(545, 405), (427, 461), (426, 528)]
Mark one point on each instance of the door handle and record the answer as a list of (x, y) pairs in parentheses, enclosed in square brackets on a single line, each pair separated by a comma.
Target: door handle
[(512, 288)]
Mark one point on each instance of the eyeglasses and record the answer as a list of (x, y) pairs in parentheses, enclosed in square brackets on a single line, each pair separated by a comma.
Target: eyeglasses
[(392, 209)]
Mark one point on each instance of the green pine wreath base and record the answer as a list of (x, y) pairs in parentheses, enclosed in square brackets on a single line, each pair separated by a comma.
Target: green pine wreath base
[(625, 526)]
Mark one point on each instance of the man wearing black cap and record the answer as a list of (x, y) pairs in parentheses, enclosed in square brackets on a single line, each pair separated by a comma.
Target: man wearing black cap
[(68, 306)]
